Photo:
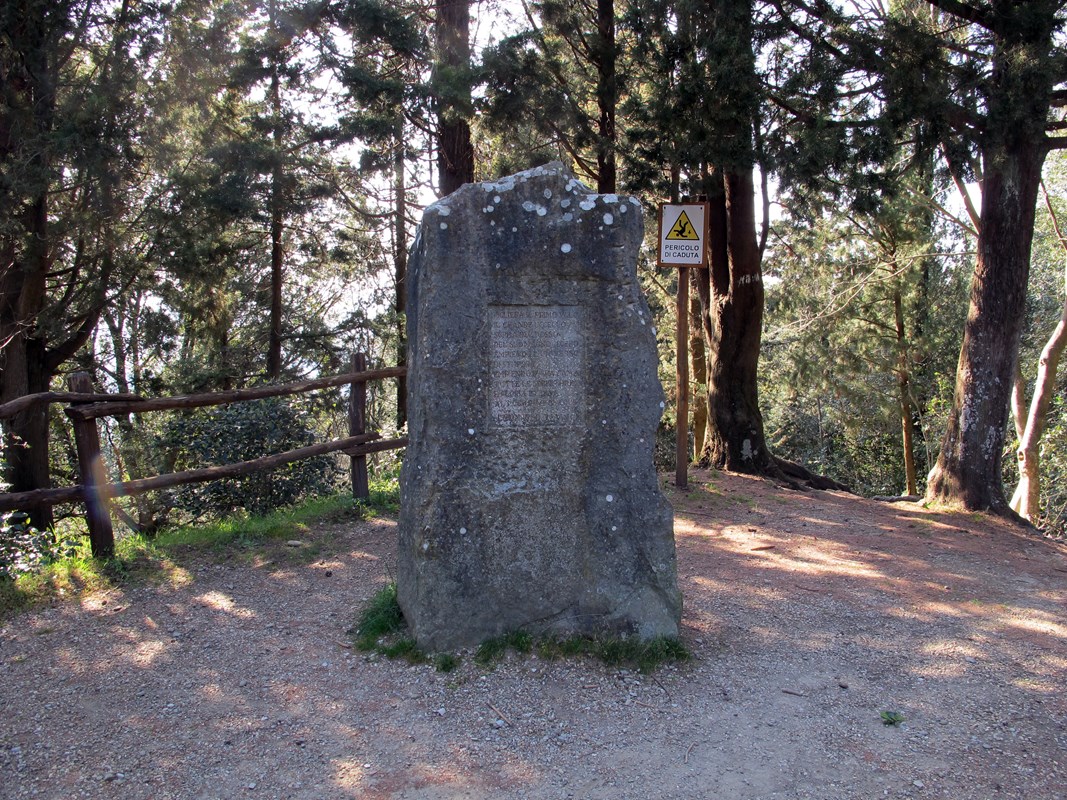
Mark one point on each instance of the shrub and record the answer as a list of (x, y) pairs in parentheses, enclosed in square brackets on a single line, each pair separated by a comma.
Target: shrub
[(242, 432)]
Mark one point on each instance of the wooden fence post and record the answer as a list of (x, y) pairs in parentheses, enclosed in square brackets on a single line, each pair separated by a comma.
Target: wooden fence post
[(95, 487), (357, 425)]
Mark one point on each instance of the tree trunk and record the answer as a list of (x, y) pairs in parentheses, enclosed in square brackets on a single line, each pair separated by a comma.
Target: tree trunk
[(732, 316), (904, 398), (1013, 145), (1026, 501), (277, 207), (968, 470), (400, 263), (698, 359), (607, 96), (26, 120), (455, 154)]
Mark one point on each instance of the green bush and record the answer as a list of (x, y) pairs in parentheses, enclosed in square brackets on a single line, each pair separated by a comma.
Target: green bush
[(242, 432), (24, 549)]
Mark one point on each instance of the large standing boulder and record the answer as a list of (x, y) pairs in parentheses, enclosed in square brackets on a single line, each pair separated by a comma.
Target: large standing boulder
[(528, 497)]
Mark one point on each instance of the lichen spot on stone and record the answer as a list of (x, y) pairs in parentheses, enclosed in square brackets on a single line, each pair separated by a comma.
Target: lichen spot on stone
[(608, 219), (587, 205), (541, 211), (444, 211), (611, 198), (548, 194), (565, 248), (610, 498), (444, 226), (527, 205), (565, 202), (462, 531)]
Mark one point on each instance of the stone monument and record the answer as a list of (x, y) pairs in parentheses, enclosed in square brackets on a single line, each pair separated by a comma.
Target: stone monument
[(528, 496)]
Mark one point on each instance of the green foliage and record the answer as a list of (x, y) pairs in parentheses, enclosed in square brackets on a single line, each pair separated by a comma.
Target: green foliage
[(644, 655), (24, 549), (831, 363), (446, 662), (892, 718), (382, 617), (492, 650), (156, 559), (241, 432)]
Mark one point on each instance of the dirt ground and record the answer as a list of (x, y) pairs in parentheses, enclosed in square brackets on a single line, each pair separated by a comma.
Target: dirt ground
[(808, 614)]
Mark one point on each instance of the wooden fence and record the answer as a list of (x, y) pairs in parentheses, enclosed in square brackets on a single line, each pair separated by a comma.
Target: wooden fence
[(85, 407)]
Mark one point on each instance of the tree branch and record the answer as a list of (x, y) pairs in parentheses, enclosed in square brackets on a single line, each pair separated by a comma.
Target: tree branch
[(976, 14)]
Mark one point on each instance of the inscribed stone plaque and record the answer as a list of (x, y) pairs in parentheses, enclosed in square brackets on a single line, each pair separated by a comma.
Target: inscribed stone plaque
[(528, 495), (535, 367)]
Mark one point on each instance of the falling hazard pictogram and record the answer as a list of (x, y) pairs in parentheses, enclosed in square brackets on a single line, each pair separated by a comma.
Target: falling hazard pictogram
[(683, 229)]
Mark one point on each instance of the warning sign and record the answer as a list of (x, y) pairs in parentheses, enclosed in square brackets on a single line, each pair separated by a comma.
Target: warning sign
[(683, 235), (683, 229)]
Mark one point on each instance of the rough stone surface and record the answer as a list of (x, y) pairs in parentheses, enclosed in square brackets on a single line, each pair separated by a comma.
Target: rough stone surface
[(529, 498)]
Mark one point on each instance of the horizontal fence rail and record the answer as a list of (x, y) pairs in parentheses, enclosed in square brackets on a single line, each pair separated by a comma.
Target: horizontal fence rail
[(86, 406)]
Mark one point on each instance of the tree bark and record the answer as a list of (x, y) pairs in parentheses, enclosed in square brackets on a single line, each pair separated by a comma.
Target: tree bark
[(698, 359), (904, 397), (26, 120), (607, 92), (455, 154), (1026, 501), (277, 205), (400, 264), (968, 470), (1013, 145), (732, 316)]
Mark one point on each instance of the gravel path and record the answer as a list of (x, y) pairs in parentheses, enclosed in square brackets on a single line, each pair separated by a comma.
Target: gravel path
[(807, 614)]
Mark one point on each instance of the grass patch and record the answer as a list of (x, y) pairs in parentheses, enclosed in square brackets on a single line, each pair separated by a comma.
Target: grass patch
[(384, 497), (644, 655), (381, 629), (382, 617), (156, 560), (492, 650), (67, 577)]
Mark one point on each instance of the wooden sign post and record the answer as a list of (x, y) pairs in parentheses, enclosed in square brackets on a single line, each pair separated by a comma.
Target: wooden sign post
[(683, 243)]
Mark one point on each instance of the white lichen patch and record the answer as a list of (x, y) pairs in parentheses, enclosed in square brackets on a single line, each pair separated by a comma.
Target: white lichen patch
[(610, 498), (608, 219), (611, 198), (548, 194), (635, 201), (528, 205), (565, 248), (444, 226), (442, 209), (587, 205), (541, 211), (565, 202), (470, 431), (568, 217)]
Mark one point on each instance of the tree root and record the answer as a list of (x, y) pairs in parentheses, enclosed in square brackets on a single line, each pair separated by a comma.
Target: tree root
[(799, 474)]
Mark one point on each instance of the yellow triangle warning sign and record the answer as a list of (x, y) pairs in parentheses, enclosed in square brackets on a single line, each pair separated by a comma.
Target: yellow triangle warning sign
[(683, 229)]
